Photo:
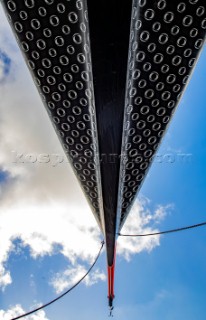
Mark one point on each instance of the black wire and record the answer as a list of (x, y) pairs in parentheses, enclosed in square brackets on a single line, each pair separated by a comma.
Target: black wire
[(63, 294), (163, 232)]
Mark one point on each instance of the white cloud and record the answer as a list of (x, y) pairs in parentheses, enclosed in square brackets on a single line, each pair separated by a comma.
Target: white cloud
[(43, 205), (6, 247), (42, 227), (17, 310), (161, 212), (5, 278), (69, 277), (137, 223)]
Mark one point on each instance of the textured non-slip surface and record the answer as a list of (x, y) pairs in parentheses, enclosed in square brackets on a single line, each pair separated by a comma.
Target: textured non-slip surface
[(110, 74)]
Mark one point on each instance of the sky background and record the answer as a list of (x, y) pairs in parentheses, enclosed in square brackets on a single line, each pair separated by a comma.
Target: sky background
[(49, 238)]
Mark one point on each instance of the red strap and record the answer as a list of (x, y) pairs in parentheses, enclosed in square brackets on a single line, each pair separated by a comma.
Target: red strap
[(110, 270)]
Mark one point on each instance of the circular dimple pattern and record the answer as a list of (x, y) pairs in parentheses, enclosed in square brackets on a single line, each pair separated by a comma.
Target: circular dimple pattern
[(163, 49), (54, 36), (165, 39)]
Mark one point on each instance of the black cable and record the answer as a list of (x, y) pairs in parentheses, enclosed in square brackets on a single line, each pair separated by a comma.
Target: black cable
[(63, 294), (163, 232)]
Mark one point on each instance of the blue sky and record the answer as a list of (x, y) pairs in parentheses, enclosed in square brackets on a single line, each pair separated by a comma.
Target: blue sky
[(41, 237), (5, 63)]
